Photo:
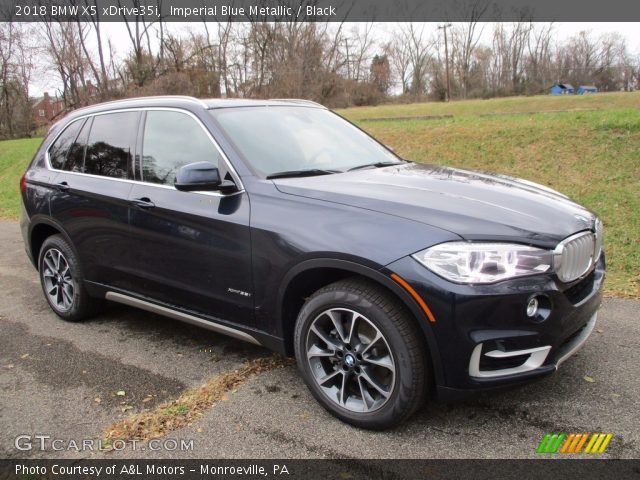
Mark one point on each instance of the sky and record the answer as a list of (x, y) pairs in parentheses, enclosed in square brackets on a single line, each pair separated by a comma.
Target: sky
[(117, 33)]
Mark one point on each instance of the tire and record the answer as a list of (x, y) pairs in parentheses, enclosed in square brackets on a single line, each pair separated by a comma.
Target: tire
[(62, 281), (386, 378)]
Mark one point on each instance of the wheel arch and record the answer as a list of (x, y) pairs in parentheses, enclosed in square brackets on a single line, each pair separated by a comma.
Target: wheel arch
[(309, 276), (41, 229)]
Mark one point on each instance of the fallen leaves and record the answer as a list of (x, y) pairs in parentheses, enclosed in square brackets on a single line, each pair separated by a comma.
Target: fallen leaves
[(181, 412), (121, 393), (589, 379)]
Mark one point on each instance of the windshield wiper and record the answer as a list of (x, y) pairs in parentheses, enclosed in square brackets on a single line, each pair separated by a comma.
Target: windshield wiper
[(376, 165), (310, 172)]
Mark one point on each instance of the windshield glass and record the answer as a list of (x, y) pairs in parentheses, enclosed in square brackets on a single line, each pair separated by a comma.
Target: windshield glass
[(278, 139)]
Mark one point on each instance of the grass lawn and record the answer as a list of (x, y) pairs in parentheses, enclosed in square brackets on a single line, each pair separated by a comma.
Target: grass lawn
[(14, 157), (585, 146)]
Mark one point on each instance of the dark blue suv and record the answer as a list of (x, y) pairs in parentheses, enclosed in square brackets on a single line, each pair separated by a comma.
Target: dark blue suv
[(282, 224)]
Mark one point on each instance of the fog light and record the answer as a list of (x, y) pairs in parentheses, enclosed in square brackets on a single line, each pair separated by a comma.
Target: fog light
[(532, 307)]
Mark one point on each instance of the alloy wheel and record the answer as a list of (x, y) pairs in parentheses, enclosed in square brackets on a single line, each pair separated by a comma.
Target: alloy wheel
[(350, 360), (58, 282)]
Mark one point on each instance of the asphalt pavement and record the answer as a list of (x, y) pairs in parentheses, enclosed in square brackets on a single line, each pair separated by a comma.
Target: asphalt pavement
[(61, 380)]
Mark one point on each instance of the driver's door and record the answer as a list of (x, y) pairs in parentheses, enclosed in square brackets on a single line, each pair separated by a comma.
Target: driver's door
[(190, 249)]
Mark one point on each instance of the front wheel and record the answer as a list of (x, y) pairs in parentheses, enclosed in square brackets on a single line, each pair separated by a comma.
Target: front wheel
[(361, 354)]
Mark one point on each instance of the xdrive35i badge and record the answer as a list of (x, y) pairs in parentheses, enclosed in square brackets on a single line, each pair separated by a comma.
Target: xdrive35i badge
[(239, 292)]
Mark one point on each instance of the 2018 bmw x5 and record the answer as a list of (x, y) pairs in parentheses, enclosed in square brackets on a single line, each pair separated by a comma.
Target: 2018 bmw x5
[(282, 224)]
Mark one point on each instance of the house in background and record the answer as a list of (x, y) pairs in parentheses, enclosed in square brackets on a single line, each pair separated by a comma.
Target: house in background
[(582, 89), (561, 89), (46, 109)]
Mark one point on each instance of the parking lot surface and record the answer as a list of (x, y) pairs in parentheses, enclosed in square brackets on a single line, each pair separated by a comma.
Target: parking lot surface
[(72, 381)]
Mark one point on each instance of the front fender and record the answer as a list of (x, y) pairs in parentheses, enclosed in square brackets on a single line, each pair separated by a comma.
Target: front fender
[(381, 277)]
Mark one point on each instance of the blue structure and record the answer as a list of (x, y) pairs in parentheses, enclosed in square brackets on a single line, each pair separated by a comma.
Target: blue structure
[(561, 89), (582, 89)]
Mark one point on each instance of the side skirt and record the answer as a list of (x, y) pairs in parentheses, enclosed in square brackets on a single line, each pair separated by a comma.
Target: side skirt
[(183, 317)]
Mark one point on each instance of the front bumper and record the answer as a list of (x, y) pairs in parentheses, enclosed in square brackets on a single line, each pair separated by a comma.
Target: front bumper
[(484, 338)]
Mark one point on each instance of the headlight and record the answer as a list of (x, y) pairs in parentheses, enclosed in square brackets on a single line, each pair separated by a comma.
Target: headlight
[(465, 262)]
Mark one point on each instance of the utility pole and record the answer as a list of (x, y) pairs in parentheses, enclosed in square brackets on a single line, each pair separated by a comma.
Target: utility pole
[(446, 57)]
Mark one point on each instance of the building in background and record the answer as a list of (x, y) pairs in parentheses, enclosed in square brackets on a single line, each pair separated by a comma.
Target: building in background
[(561, 89), (582, 89), (46, 109)]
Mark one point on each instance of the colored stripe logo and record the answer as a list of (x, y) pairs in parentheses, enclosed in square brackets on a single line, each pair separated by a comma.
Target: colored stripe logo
[(574, 443)]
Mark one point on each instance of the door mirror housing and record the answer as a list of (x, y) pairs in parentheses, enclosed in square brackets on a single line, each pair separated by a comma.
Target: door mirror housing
[(198, 176)]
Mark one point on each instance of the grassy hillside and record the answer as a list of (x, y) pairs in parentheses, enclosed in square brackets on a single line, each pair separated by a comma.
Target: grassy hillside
[(587, 147), (591, 153), (509, 105)]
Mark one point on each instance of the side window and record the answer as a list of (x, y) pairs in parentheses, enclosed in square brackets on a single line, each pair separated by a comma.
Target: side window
[(171, 140), (111, 144), (58, 151), (75, 156)]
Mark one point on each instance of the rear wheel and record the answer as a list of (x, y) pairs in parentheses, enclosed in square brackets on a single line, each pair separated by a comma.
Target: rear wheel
[(361, 354), (62, 281)]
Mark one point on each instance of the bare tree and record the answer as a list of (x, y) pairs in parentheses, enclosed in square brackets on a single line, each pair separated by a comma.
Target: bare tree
[(358, 47), (64, 45), (16, 67), (398, 53), (509, 47), (418, 48), (539, 57), (465, 39), (142, 64)]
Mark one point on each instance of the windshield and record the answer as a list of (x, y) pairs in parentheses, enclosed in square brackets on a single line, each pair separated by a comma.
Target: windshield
[(278, 139)]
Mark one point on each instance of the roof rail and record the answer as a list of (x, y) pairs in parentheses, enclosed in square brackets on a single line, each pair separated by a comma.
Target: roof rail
[(299, 100), (149, 98)]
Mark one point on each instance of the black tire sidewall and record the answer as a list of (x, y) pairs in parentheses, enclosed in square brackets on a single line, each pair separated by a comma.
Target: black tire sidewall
[(393, 409), (80, 300)]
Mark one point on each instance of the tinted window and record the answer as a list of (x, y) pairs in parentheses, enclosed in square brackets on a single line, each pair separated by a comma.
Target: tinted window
[(59, 149), (75, 156), (171, 140), (111, 144)]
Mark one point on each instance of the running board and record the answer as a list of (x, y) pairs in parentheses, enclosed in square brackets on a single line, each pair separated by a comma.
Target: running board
[(183, 317)]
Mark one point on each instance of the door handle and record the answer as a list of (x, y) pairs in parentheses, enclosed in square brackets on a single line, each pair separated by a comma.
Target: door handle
[(143, 202), (63, 186)]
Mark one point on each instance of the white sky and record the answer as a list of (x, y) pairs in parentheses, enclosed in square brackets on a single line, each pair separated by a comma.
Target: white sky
[(117, 33)]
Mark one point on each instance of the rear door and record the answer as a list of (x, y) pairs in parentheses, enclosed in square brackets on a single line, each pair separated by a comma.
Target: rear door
[(190, 249), (92, 188)]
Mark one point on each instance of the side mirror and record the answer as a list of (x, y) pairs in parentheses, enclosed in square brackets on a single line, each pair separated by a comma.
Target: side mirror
[(198, 176)]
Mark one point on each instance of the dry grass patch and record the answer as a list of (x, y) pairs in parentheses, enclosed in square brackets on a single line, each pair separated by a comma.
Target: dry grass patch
[(183, 411)]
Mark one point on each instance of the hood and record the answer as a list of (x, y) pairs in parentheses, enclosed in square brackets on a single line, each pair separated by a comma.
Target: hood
[(473, 205)]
